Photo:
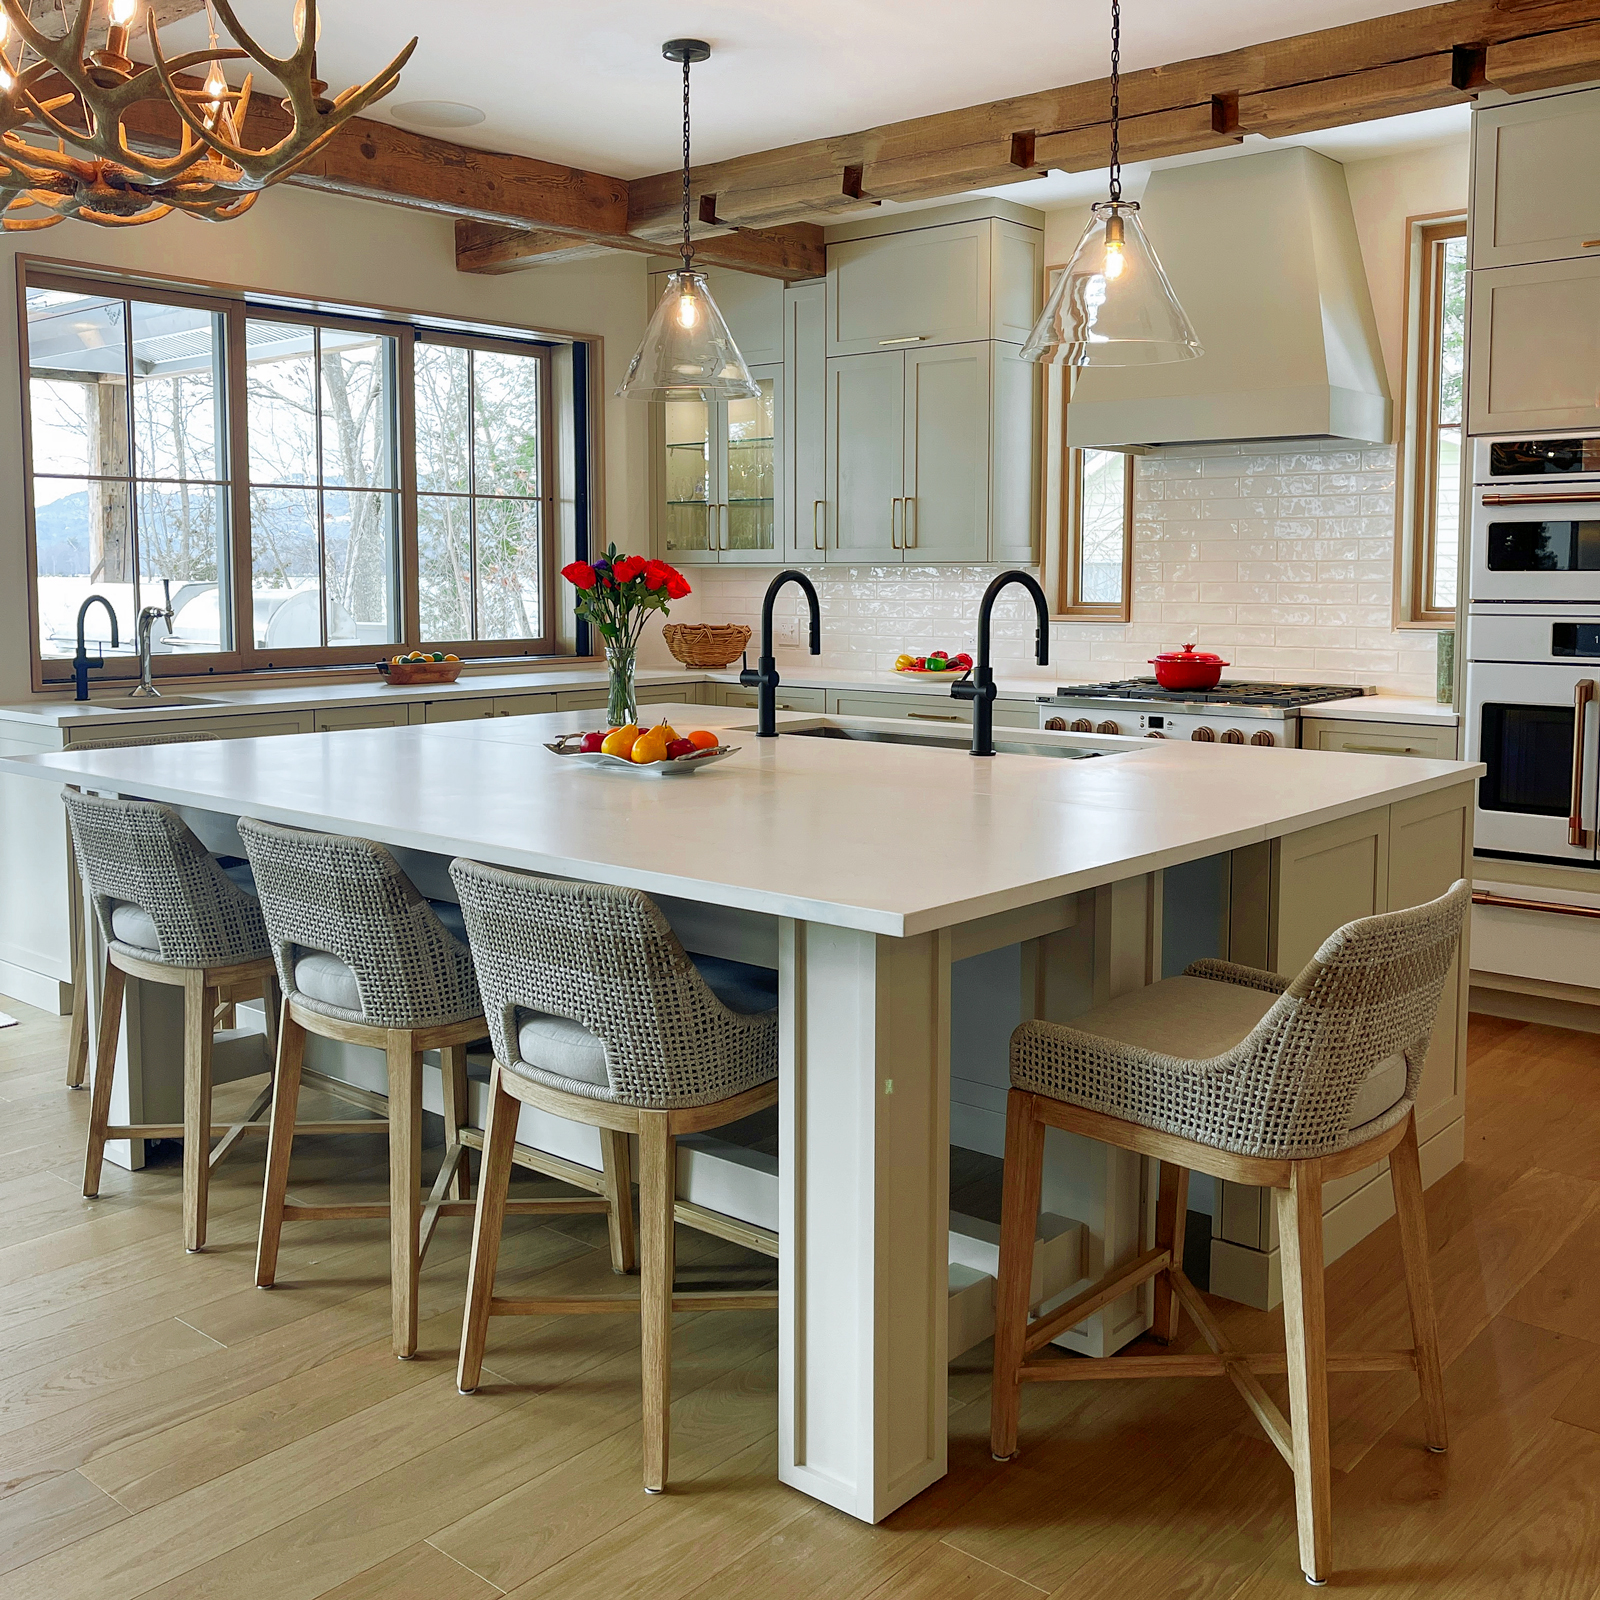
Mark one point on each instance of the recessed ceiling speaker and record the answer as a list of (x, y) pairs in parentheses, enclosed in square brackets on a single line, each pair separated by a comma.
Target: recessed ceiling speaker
[(437, 114)]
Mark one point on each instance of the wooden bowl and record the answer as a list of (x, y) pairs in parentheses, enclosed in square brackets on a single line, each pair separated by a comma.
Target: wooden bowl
[(706, 644), (407, 674)]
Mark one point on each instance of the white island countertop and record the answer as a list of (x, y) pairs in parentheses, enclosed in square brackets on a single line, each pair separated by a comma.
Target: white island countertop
[(894, 839)]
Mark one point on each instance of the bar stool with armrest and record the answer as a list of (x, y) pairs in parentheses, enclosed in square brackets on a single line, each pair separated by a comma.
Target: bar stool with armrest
[(1258, 1080), (599, 1015), (170, 914)]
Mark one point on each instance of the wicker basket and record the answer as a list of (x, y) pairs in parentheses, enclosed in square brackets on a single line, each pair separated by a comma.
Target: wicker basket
[(706, 644)]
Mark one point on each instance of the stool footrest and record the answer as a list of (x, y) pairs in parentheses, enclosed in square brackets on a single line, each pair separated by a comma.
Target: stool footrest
[(1202, 1364), (297, 1213), (692, 1300)]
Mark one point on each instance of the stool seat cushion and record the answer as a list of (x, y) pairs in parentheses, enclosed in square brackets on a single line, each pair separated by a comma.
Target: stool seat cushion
[(133, 925), (562, 1048), (1196, 1019), (324, 977)]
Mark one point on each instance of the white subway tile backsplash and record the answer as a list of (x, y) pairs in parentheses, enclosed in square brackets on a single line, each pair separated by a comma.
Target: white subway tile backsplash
[(1282, 560)]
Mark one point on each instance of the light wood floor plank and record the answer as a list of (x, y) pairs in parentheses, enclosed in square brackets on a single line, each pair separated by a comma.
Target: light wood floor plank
[(418, 1573), (55, 1512)]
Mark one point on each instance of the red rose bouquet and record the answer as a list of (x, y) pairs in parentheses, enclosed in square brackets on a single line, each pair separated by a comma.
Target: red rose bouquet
[(616, 596)]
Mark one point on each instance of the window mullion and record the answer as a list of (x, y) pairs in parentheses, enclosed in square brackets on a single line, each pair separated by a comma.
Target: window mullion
[(321, 502), (472, 494)]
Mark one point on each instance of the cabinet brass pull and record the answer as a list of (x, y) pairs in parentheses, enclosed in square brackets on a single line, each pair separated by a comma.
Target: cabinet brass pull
[(726, 522), (910, 338), (1589, 244), (894, 527), (1484, 897), (1571, 496), (818, 541), (1381, 750), (1579, 836), (908, 522), (932, 716)]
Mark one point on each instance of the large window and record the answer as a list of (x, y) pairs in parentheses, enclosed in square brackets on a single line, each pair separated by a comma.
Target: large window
[(1097, 543), (1429, 502), (301, 489)]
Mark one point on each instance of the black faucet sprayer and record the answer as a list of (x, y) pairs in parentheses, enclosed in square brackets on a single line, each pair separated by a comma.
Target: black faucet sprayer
[(80, 661), (979, 687), (764, 680)]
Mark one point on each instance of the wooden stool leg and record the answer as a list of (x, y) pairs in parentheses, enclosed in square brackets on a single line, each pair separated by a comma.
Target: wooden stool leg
[(271, 1006), (78, 1042), (1306, 1331), (1019, 1222), (105, 1067), (405, 1188), (1172, 1213), (280, 1142), (199, 1016), (453, 1080), (494, 1178), (1405, 1170), (657, 1197), (619, 1192)]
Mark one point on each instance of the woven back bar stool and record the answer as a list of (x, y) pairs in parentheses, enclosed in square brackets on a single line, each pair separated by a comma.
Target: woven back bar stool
[(78, 1039), (171, 914), (1259, 1080), (363, 958), (599, 1015)]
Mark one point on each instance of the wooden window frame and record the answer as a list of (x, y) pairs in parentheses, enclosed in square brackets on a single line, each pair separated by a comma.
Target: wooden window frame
[(1417, 463), (239, 307), (1069, 601)]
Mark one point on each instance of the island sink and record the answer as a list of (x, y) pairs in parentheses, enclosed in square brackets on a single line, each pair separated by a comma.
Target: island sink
[(956, 739)]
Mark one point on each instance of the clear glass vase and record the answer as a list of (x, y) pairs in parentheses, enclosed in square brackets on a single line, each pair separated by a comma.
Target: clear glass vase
[(622, 699)]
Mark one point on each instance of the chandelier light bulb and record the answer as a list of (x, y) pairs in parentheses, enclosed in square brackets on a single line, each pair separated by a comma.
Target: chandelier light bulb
[(5, 27), (123, 12), (300, 23), (7, 82)]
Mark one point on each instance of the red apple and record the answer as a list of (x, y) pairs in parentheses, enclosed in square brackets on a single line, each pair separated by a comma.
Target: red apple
[(592, 742), (680, 747)]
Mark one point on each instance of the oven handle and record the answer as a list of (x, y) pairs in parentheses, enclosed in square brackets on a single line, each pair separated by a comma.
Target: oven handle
[(1578, 836), (1485, 897), (1571, 496)]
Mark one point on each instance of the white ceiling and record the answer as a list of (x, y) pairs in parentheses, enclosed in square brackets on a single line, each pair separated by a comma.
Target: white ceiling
[(586, 83)]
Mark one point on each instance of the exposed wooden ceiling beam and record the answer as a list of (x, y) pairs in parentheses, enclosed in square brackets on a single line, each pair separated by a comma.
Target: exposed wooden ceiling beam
[(1409, 61), (793, 253)]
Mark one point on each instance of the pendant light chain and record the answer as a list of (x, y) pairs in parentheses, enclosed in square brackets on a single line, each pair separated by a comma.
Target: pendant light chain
[(1116, 97), (688, 243)]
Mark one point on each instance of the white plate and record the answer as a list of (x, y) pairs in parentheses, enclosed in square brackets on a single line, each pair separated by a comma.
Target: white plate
[(681, 767)]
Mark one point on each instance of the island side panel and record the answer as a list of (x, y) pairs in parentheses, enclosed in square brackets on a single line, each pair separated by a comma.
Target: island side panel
[(1382, 860), (864, 1133)]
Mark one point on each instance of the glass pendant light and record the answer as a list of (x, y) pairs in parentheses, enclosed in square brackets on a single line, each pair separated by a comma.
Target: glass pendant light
[(1112, 306), (687, 352)]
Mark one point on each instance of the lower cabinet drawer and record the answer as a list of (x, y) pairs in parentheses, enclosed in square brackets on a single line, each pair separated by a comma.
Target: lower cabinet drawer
[(655, 694), (1432, 742), (914, 707), (733, 694)]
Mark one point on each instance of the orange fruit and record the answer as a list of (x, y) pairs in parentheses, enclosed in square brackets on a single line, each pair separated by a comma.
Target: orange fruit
[(701, 739), (620, 741), (651, 746)]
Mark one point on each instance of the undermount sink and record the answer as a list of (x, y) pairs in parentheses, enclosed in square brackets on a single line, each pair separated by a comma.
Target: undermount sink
[(154, 703), (956, 739)]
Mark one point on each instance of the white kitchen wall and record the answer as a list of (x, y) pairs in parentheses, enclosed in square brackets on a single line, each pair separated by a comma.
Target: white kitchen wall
[(1280, 560)]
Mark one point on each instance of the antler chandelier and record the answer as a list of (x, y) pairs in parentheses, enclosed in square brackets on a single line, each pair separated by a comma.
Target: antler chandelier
[(56, 86)]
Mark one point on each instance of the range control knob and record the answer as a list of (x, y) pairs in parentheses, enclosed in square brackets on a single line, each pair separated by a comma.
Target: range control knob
[(1055, 724), (1263, 737), (1155, 735), (1232, 736), (1082, 725), (1108, 727), (1204, 736)]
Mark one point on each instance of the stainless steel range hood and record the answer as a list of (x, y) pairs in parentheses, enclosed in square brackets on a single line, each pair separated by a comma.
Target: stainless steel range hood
[(1263, 254)]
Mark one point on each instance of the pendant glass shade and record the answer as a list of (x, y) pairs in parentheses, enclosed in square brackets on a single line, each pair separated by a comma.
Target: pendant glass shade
[(687, 352), (1112, 306)]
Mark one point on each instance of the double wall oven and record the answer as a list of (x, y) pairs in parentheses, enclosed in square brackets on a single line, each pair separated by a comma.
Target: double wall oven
[(1533, 648)]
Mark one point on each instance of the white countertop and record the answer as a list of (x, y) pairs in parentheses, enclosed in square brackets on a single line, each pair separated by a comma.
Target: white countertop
[(1385, 708), (892, 839)]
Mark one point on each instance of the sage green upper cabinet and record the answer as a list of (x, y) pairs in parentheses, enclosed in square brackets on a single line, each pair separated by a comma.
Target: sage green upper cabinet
[(1016, 413), (1536, 182), (805, 526), (953, 282), (1535, 347), (944, 515), (865, 456)]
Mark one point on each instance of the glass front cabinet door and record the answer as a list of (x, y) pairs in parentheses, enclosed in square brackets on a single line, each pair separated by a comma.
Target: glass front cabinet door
[(717, 474)]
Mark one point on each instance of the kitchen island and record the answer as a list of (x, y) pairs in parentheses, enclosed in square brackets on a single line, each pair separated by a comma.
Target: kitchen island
[(867, 872)]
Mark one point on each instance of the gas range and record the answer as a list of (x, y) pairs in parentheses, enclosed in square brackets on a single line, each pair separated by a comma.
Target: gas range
[(1230, 713)]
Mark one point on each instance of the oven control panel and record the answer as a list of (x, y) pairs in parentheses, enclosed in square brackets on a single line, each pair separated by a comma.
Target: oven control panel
[(1213, 728)]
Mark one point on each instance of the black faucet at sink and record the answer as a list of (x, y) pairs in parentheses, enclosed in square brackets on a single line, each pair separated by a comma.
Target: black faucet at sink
[(979, 688), (764, 680), (80, 661)]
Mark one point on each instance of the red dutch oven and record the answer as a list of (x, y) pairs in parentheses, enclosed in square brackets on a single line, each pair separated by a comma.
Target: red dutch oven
[(1188, 668)]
